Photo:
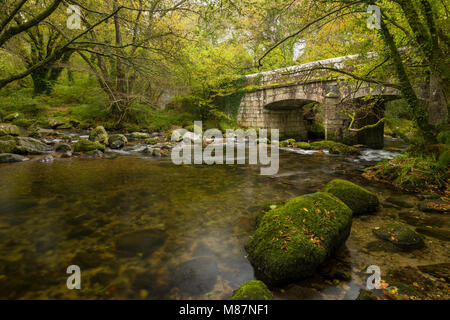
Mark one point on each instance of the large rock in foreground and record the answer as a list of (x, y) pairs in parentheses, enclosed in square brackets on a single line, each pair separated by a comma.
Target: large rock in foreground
[(355, 197), (294, 239), (253, 290)]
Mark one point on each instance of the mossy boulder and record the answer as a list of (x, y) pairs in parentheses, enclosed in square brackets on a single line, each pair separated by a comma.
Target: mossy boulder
[(27, 145), (296, 238), (303, 145), (140, 135), (152, 141), (360, 200), (266, 208), (335, 148), (9, 129), (87, 145), (253, 290), (7, 145), (99, 134), (400, 235), (117, 141)]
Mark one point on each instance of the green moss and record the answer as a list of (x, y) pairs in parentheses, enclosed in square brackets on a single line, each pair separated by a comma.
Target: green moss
[(358, 199), (335, 148), (151, 141), (7, 146), (294, 239), (253, 290), (411, 174), (303, 145), (86, 146), (266, 208)]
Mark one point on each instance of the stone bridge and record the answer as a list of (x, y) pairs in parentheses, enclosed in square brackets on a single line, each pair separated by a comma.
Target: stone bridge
[(278, 98)]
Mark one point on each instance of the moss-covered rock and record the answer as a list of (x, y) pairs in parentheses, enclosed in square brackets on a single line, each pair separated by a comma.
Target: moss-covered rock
[(303, 145), (400, 235), (140, 135), (335, 148), (27, 145), (360, 200), (151, 141), (99, 134), (253, 290), (294, 239), (9, 129), (7, 146), (117, 141), (266, 208), (86, 146)]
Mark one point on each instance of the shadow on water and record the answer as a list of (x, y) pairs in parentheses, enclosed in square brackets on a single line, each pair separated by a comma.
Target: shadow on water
[(145, 228)]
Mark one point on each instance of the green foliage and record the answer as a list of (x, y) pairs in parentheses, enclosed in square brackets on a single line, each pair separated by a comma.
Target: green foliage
[(412, 173)]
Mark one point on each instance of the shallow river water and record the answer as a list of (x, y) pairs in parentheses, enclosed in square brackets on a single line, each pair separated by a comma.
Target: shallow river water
[(144, 228)]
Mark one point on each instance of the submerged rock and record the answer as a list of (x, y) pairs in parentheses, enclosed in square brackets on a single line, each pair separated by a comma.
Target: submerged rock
[(197, 276), (9, 129), (435, 205), (99, 134), (9, 158), (400, 235), (360, 200), (439, 270), (117, 141), (253, 290), (294, 239), (86, 146), (437, 233), (142, 241)]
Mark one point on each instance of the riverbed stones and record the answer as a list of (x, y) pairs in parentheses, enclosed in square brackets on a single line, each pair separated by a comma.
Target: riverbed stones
[(360, 200), (27, 145), (400, 235), (143, 242), (253, 290), (196, 276), (9, 129), (117, 141), (296, 238), (87, 145), (10, 158), (99, 134)]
